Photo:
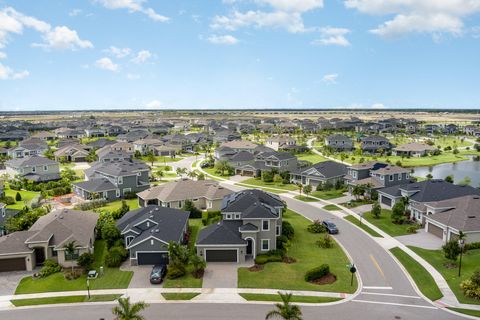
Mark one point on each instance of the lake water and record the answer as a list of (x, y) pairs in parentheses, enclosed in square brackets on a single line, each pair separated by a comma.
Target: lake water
[(459, 170)]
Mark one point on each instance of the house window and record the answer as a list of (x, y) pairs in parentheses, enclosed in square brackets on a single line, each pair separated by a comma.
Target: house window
[(265, 225), (45, 168), (277, 231), (265, 244), (129, 240), (391, 177), (120, 180), (152, 242), (209, 204), (407, 176), (34, 169), (126, 190), (382, 177), (71, 256), (229, 216), (139, 174), (237, 216), (54, 252), (148, 224), (118, 193), (354, 174), (400, 177)]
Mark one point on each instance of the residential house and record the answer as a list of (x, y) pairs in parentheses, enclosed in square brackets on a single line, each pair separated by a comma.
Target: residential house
[(373, 144), (148, 231), (204, 194), (413, 149), (35, 168), (47, 238), (44, 135), (72, 153), (280, 143), (319, 174), (113, 180), (376, 175), (267, 161), (421, 193), (28, 148), (339, 142), (251, 222)]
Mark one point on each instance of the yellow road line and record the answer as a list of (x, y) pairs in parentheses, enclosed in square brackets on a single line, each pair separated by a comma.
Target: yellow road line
[(377, 266)]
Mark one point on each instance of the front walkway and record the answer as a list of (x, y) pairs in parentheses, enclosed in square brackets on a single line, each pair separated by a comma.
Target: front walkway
[(421, 239)]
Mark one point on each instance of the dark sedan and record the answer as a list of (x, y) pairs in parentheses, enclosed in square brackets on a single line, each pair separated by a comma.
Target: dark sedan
[(158, 274), (331, 227)]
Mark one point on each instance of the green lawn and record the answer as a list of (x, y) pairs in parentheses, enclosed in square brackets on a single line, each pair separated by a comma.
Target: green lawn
[(260, 183), (363, 226), (305, 199), (420, 275), (311, 157), (180, 296), (212, 172), (112, 278), (27, 197), (159, 159), (276, 298), (68, 299), (188, 281), (331, 207), (278, 275), (474, 313), (115, 205), (470, 263), (330, 194), (385, 223)]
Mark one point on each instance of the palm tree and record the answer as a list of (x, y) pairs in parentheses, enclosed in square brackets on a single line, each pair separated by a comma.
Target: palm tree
[(70, 248), (127, 311), (191, 174), (151, 158), (285, 310), (300, 187)]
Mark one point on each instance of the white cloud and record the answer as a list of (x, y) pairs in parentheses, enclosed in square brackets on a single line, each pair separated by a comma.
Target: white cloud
[(418, 16), (225, 39), (286, 14), (106, 64), (378, 106), (75, 12), (154, 104), (142, 56), (6, 73), (133, 6), (12, 21), (133, 76), (330, 36), (118, 52), (330, 78), (3, 55)]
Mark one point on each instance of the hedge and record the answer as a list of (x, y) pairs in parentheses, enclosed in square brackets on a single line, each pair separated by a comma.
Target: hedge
[(317, 273)]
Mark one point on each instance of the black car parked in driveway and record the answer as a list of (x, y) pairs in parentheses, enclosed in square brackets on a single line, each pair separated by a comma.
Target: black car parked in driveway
[(331, 227), (158, 273)]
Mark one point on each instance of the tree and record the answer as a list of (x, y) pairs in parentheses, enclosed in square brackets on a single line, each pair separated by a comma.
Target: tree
[(451, 250), (198, 265), (194, 211), (151, 158), (449, 178), (376, 210), (192, 174), (109, 231), (85, 261), (181, 171), (429, 176), (222, 166), (128, 311), (159, 174), (70, 250), (300, 188), (465, 181), (18, 197), (285, 310), (398, 211), (307, 189), (68, 174), (358, 191)]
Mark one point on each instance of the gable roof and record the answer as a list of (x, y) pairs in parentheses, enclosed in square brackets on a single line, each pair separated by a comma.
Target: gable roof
[(252, 203), (327, 169), (30, 161), (464, 214), (223, 232)]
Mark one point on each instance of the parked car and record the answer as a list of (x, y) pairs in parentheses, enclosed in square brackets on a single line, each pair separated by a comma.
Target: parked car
[(331, 227), (158, 274)]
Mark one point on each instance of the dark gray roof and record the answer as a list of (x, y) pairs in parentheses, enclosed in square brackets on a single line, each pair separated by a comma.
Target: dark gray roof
[(119, 168), (169, 226), (328, 169), (242, 156), (248, 227), (253, 204), (223, 232), (96, 185), (37, 177), (100, 143), (30, 162), (278, 155)]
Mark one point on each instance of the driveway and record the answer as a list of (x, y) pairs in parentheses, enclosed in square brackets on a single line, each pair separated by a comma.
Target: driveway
[(141, 276), (421, 239), (220, 275), (9, 281)]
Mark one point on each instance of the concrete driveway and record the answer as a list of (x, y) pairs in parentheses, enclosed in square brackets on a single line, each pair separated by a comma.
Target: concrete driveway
[(421, 239), (141, 276), (9, 281), (220, 275)]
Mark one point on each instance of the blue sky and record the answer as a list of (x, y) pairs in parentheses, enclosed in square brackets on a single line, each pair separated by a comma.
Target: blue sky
[(239, 54)]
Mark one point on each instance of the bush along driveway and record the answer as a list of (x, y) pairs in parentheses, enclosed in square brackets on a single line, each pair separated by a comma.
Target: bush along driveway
[(308, 255), (113, 278)]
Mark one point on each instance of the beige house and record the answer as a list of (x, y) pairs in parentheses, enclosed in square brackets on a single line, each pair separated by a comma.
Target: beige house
[(280, 143), (47, 238), (413, 149), (205, 194)]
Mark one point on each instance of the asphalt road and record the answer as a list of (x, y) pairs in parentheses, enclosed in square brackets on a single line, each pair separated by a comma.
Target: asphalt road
[(187, 311)]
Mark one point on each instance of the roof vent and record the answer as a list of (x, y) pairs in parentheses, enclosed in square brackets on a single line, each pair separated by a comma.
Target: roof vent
[(151, 216), (157, 230)]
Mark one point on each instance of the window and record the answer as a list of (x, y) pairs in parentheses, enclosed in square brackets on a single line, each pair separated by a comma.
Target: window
[(209, 204), (118, 193), (45, 168), (148, 224), (120, 180), (277, 232), (71, 256), (229, 216), (152, 242), (265, 244), (407, 176), (382, 177), (54, 252), (237, 216), (34, 169), (391, 177), (354, 174), (265, 225), (400, 177), (129, 240), (126, 190)]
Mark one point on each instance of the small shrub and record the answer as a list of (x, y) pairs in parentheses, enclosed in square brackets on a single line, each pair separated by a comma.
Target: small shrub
[(287, 230), (85, 260), (471, 286), (115, 256), (49, 267), (72, 275), (175, 271), (325, 242), (266, 258), (317, 273), (413, 229), (18, 197), (8, 200), (316, 227)]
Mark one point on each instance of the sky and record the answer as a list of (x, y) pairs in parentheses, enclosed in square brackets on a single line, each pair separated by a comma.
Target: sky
[(200, 54)]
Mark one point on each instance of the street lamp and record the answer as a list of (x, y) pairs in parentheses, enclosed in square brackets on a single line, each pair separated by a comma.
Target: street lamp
[(88, 288), (461, 243)]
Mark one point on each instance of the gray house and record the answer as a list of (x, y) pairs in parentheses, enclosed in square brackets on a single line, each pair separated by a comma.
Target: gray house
[(339, 142), (251, 222), (35, 168), (148, 231), (266, 161), (373, 144), (112, 180), (319, 174), (376, 175)]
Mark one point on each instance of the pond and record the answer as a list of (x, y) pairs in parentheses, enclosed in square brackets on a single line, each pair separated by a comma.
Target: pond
[(459, 170)]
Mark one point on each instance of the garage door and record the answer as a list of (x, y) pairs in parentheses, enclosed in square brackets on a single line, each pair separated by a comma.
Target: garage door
[(151, 258), (16, 264), (433, 229), (387, 201), (221, 255)]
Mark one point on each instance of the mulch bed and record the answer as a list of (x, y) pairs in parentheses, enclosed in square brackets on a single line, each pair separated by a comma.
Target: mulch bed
[(289, 260), (198, 274), (450, 265), (256, 268), (327, 279)]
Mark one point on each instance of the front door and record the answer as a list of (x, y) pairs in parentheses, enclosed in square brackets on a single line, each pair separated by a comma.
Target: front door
[(39, 256), (249, 246)]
